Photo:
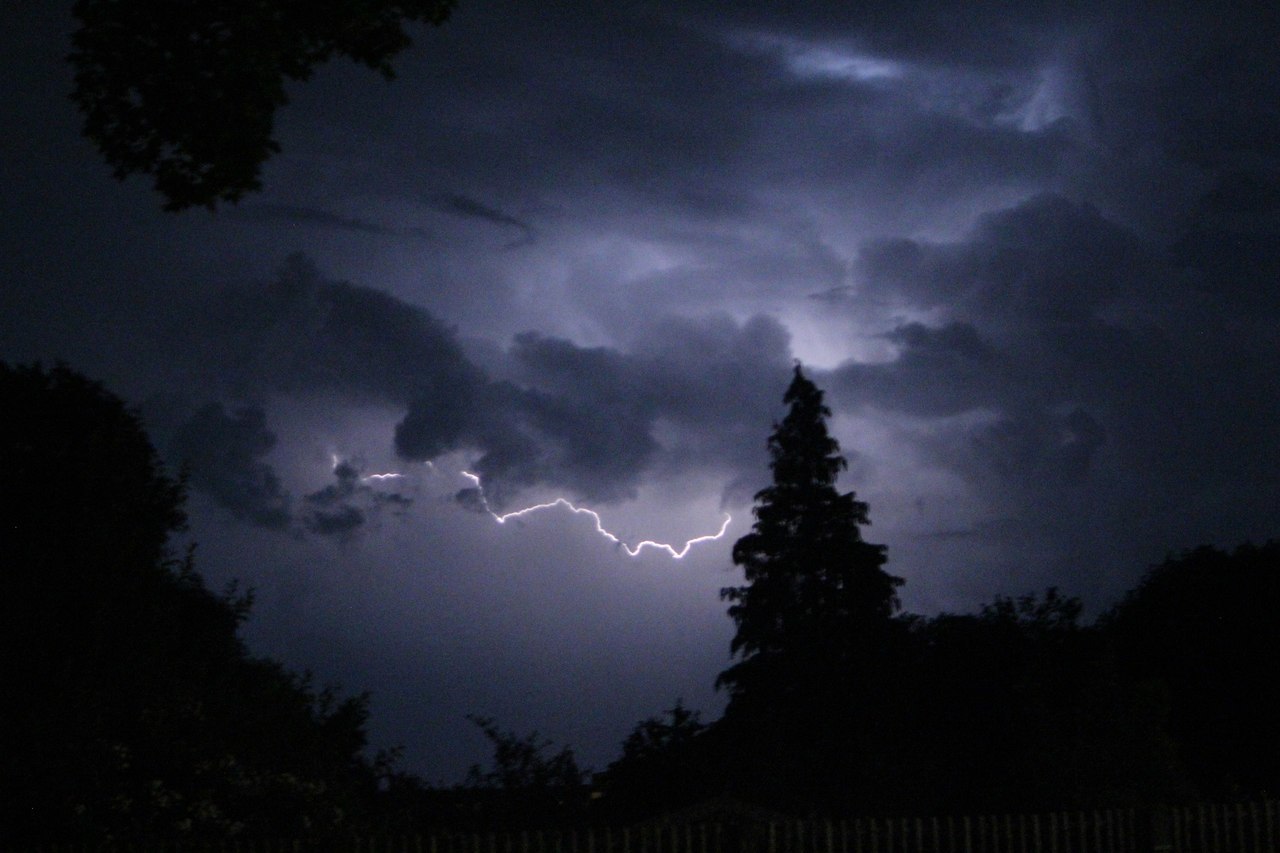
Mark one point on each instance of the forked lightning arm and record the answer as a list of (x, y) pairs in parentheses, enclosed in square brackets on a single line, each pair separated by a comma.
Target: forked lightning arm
[(676, 554)]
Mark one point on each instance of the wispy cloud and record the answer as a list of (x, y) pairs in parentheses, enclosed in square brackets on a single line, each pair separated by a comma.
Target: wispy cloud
[(323, 218), (467, 207)]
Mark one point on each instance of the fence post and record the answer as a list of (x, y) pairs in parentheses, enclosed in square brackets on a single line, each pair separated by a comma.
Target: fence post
[(1159, 835)]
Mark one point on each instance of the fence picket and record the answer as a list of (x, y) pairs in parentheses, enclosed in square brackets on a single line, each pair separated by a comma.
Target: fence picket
[(1226, 827)]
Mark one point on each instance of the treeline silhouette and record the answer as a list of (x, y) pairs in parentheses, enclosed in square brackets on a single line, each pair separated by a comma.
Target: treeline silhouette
[(131, 708), (133, 711), (841, 704)]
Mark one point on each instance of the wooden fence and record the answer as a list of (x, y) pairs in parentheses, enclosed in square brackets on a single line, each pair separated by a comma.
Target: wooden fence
[(1235, 828), (1245, 827)]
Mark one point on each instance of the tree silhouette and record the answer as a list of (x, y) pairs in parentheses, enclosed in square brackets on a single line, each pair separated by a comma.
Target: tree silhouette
[(815, 591), (667, 762), (815, 633), (131, 708), (526, 785), (990, 700), (186, 90), (1203, 625)]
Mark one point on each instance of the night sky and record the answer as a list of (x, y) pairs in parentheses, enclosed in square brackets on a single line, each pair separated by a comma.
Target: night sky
[(574, 249)]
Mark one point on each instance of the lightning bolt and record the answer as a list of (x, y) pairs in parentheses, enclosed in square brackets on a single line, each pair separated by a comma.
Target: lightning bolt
[(676, 554), (364, 478)]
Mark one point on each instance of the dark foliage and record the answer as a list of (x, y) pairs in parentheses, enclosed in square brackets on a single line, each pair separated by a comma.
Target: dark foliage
[(527, 784), (1020, 707), (1204, 627), (186, 90), (132, 711), (131, 708), (839, 706), (666, 764)]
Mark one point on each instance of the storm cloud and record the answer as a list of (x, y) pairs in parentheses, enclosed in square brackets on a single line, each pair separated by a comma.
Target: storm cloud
[(223, 452), (1030, 252), (582, 419)]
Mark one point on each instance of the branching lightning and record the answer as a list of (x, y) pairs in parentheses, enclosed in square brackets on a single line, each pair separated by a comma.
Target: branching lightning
[(676, 554)]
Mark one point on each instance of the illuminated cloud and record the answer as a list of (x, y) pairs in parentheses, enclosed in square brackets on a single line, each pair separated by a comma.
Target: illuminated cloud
[(1043, 242), (476, 498)]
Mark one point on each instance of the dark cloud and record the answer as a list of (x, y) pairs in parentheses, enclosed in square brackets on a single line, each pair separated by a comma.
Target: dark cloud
[(311, 216), (340, 521), (600, 389), (306, 337), (939, 371), (1069, 388), (706, 378), (586, 418), (582, 419), (464, 206), (304, 334), (1047, 261), (344, 506), (222, 453), (1230, 247)]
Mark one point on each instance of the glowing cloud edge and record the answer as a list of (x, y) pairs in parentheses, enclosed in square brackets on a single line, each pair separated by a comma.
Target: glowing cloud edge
[(676, 554)]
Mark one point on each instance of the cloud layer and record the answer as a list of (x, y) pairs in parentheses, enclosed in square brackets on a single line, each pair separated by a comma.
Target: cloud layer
[(1031, 253)]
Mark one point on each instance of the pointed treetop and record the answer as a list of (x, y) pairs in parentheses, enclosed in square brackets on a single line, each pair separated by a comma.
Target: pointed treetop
[(814, 589), (801, 450)]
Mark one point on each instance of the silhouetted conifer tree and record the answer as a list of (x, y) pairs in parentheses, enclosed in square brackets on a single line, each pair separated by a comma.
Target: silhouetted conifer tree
[(815, 592)]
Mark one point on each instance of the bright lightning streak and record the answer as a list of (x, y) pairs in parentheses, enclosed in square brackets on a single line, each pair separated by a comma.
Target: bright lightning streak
[(676, 554), (390, 475)]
